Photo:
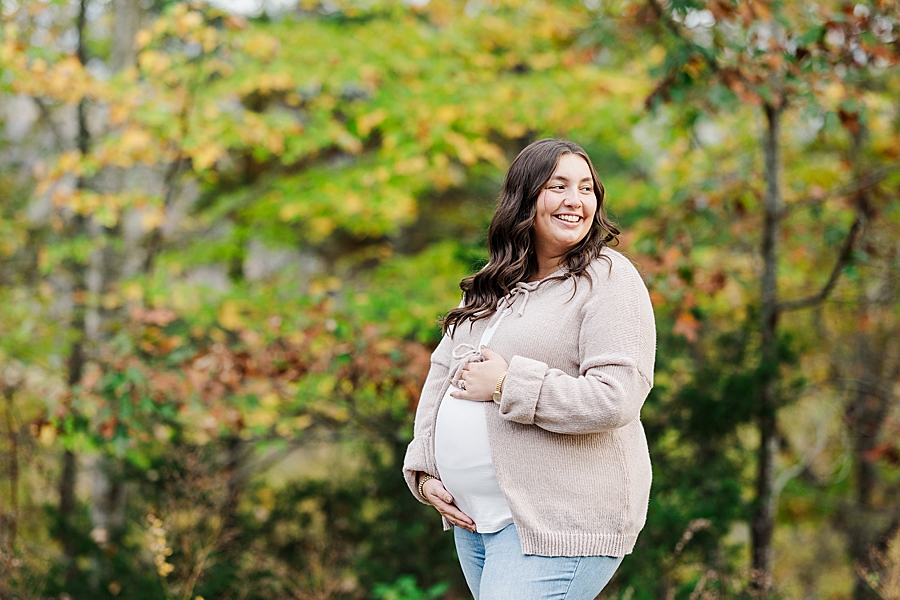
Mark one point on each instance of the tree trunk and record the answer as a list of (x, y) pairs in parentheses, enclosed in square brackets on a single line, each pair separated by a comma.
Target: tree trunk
[(127, 17), (763, 522), (109, 493), (10, 520), (77, 350), (868, 523)]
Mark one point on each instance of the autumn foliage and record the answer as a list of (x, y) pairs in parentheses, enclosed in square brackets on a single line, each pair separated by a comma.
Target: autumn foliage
[(225, 242)]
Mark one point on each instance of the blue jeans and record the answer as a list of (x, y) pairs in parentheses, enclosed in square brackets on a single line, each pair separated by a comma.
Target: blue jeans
[(496, 569)]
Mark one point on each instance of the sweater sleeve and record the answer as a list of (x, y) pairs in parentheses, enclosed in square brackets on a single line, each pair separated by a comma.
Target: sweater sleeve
[(419, 453), (616, 352)]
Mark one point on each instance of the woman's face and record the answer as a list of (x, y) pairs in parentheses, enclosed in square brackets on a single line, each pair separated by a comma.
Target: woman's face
[(565, 207)]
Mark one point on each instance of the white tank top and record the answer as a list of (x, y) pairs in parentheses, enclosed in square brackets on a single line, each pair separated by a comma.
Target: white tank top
[(463, 456)]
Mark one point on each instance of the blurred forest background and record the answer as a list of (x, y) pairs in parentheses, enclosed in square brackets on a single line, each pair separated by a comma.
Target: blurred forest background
[(227, 231)]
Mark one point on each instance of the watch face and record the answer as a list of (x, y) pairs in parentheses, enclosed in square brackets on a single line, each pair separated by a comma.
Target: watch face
[(496, 397)]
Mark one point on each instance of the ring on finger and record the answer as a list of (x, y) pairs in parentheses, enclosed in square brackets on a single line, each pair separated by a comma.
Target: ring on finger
[(462, 384)]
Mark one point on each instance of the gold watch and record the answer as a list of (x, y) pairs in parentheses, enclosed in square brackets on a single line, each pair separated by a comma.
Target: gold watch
[(498, 390)]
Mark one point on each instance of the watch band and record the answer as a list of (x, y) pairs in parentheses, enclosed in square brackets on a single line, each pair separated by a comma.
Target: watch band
[(498, 391)]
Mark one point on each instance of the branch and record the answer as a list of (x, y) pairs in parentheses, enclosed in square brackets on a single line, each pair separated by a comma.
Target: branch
[(173, 173), (842, 260), (48, 119), (805, 461), (862, 184), (678, 32), (661, 88), (882, 392)]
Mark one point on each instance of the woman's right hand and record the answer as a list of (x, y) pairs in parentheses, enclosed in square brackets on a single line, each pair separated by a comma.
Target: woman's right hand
[(441, 499)]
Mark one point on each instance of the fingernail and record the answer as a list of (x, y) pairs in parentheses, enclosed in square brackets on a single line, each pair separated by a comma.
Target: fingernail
[(448, 499), (483, 346)]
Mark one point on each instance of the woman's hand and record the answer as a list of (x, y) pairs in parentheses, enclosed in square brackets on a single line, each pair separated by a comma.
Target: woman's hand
[(479, 379), (441, 499)]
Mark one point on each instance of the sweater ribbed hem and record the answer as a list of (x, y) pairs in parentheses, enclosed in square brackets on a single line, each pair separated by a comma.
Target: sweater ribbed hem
[(564, 543)]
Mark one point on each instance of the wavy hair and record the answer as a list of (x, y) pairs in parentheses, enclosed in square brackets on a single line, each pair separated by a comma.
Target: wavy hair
[(512, 256)]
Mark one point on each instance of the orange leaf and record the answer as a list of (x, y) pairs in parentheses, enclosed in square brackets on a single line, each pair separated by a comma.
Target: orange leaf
[(687, 325)]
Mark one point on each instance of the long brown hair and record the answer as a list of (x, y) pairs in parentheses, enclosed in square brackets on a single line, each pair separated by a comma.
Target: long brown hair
[(512, 257)]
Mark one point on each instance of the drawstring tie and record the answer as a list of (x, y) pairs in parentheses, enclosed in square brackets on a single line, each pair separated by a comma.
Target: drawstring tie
[(521, 289), (463, 354)]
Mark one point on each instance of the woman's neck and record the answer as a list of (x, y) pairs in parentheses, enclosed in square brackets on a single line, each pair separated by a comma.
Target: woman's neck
[(546, 267)]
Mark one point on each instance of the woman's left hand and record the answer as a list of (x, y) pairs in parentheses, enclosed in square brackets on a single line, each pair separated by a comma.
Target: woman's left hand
[(481, 377)]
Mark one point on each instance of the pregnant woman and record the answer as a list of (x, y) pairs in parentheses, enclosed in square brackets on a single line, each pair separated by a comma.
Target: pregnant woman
[(528, 438)]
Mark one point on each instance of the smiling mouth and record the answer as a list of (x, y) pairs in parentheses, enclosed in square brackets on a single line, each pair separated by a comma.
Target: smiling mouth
[(568, 218)]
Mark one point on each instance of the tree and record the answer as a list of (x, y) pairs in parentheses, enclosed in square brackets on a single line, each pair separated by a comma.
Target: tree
[(785, 60)]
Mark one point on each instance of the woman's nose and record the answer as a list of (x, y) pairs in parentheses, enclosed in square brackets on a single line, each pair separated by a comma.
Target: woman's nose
[(571, 198)]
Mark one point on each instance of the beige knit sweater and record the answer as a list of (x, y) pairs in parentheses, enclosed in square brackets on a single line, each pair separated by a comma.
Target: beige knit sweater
[(566, 440)]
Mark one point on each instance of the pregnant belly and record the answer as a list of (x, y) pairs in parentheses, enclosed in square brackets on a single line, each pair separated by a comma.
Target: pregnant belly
[(463, 456), (461, 438)]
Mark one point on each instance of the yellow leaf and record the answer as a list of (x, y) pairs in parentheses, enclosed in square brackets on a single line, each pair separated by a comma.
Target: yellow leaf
[(211, 112), (656, 55), (70, 162), (152, 218), (366, 123), (47, 435), (462, 146), (188, 22), (353, 205), (271, 400), (261, 47), (111, 301), (336, 413), (134, 140), (133, 292), (143, 37), (261, 418), (289, 212), (210, 39), (349, 142), (205, 156), (118, 114), (230, 316), (834, 92), (446, 113), (618, 84), (416, 164), (490, 152), (153, 61), (266, 498), (542, 62), (321, 226)]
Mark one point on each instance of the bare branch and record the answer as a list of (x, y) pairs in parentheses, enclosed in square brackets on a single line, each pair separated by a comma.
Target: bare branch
[(804, 462), (842, 260), (51, 124), (863, 184), (882, 392)]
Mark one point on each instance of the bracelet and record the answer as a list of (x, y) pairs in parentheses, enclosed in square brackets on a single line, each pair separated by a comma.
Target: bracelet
[(422, 486), (499, 389)]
